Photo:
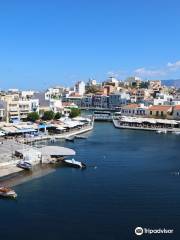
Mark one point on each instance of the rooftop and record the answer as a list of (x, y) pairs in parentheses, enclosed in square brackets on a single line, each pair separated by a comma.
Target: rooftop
[(56, 151), (160, 108)]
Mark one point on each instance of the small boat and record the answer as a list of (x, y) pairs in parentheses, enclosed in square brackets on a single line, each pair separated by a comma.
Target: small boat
[(7, 192), (70, 139), (176, 133), (24, 164), (75, 164), (80, 137), (162, 131)]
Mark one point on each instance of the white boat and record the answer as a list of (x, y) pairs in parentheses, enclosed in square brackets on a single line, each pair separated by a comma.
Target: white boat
[(176, 133), (24, 164), (7, 192), (74, 163), (162, 131)]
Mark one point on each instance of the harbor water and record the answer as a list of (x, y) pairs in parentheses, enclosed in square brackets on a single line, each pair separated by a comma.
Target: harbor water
[(132, 179)]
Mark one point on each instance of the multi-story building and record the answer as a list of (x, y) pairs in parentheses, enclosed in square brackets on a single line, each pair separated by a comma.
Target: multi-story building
[(80, 88), (155, 85), (54, 93), (12, 106), (39, 102), (74, 98), (134, 110), (27, 106), (100, 101), (2, 110), (56, 105), (133, 81), (87, 100), (163, 99), (118, 98)]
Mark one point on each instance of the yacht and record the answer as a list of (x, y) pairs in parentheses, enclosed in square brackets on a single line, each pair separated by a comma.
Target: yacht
[(74, 163), (7, 192)]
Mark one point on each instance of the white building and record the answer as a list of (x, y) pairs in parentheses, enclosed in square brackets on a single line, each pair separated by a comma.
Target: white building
[(56, 105), (27, 106), (91, 82), (80, 88), (114, 81), (163, 99), (54, 93), (24, 95)]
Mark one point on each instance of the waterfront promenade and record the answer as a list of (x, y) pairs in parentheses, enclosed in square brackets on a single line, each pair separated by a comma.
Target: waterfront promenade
[(137, 124), (58, 136), (7, 148)]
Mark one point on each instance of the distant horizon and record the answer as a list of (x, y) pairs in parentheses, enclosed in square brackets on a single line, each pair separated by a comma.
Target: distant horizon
[(61, 85)]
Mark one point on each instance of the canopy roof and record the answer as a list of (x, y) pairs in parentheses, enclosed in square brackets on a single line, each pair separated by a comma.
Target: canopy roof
[(56, 151), (147, 120)]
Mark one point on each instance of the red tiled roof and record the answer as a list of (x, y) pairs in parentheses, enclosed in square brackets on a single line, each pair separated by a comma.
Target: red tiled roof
[(177, 107), (75, 95), (160, 108), (131, 106)]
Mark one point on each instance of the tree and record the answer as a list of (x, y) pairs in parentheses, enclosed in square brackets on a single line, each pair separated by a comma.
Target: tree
[(48, 115), (74, 112), (92, 89), (57, 115), (33, 116)]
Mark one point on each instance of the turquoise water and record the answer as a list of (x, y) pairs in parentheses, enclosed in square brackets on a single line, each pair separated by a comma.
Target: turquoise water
[(135, 183)]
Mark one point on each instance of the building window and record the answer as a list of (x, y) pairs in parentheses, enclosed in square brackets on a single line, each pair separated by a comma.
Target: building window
[(150, 112), (157, 113), (162, 113)]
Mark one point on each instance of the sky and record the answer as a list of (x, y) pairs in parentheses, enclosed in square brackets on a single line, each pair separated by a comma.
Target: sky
[(58, 42)]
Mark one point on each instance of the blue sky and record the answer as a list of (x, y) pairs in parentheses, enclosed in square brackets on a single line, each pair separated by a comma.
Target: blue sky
[(57, 42)]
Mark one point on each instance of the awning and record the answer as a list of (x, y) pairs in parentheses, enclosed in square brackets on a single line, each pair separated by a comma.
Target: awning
[(26, 130), (56, 151)]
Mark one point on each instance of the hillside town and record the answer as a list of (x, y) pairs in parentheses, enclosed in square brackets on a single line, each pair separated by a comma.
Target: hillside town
[(132, 97)]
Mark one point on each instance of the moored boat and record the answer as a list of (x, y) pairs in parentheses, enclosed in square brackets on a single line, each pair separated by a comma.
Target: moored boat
[(162, 131), (74, 163), (7, 192), (70, 139), (176, 132), (24, 165)]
